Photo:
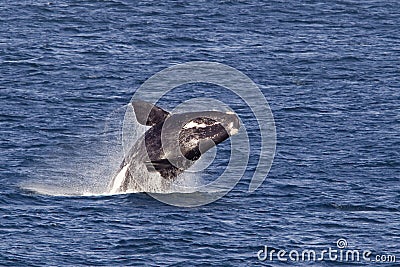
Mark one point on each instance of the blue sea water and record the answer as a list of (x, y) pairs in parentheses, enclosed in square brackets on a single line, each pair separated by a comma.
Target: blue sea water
[(330, 71)]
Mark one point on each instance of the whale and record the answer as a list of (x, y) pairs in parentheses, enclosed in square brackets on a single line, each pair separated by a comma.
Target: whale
[(170, 146)]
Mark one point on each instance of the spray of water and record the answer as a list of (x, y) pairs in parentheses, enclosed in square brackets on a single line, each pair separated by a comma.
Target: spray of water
[(90, 173)]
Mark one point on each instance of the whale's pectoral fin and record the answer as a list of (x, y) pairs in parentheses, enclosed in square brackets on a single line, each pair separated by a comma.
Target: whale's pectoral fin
[(157, 165), (149, 114)]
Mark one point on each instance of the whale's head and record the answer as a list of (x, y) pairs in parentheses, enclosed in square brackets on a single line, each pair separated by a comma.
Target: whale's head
[(184, 137), (204, 130)]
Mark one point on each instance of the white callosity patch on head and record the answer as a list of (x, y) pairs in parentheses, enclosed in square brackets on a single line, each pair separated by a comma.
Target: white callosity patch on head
[(194, 124), (232, 130)]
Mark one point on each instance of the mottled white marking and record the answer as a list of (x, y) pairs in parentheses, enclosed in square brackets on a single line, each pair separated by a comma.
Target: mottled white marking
[(193, 124), (233, 131), (230, 112)]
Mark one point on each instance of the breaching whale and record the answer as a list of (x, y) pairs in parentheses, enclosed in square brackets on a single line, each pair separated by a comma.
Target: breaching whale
[(170, 146)]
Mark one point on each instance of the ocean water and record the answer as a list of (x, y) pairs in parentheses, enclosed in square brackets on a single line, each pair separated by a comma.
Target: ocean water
[(330, 71)]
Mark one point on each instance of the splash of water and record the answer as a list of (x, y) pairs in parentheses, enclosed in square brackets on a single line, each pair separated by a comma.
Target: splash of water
[(90, 173)]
